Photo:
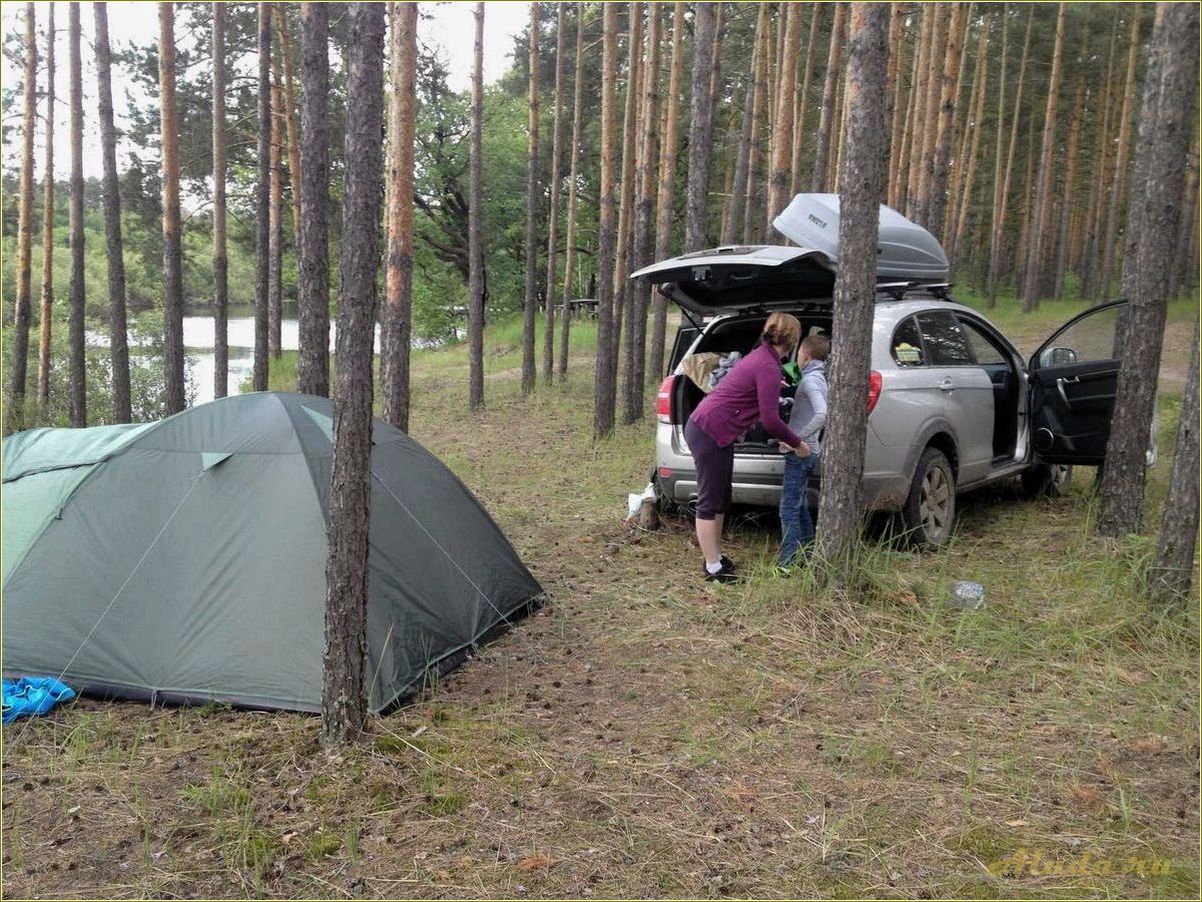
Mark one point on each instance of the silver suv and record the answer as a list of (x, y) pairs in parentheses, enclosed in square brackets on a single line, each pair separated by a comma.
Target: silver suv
[(952, 403)]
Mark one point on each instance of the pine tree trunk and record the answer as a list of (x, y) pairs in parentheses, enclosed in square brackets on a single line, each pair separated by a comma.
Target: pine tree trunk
[(313, 265), (118, 337), (782, 152), (666, 198), (1002, 195), (1024, 216), (752, 208), (556, 186), (1183, 275), (803, 101), (1173, 568), (701, 129), (832, 172), (21, 316), (1070, 178), (275, 216), (623, 296), (344, 694), (928, 125), (1098, 188), (1118, 186), (973, 146), (949, 99), (636, 332), (221, 295), (77, 375), (173, 262), (530, 300), (896, 109), (294, 164), (863, 188), (397, 318), (827, 124), (47, 300), (1154, 217), (732, 213), (900, 192), (603, 385), (1043, 188), (569, 261), (263, 202), (477, 290)]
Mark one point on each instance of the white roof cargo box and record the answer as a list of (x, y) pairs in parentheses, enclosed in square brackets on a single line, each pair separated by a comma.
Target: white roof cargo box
[(905, 250)]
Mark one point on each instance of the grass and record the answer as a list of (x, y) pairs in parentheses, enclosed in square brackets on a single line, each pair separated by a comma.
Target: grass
[(648, 734)]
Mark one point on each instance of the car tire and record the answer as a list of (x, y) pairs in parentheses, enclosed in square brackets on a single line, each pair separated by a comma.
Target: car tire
[(930, 508), (1046, 480)]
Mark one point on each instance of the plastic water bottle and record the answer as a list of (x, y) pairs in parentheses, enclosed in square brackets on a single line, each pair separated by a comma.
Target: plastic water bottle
[(967, 596)]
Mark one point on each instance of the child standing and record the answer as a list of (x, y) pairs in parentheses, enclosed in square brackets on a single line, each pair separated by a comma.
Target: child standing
[(807, 420)]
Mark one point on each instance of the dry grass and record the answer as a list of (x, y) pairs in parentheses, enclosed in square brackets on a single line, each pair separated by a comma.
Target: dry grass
[(646, 734)]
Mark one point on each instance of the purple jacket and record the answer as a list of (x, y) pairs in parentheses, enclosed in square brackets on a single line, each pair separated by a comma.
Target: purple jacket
[(750, 391)]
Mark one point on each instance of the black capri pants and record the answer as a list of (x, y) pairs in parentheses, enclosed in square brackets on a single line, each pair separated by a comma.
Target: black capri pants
[(715, 471)]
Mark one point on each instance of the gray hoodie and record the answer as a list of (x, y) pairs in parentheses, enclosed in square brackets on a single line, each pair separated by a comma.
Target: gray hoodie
[(809, 405)]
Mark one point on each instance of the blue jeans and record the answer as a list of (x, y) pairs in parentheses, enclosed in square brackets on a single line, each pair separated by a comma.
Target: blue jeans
[(796, 527)]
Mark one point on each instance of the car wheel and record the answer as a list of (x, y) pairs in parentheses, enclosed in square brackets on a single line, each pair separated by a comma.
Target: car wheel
[(1046, 480), (931, 505)]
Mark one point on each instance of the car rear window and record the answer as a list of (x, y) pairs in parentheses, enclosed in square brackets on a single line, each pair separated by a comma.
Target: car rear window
[(944, 339)]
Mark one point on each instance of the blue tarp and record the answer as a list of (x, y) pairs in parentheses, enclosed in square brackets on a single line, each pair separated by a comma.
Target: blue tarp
[(33, 696)]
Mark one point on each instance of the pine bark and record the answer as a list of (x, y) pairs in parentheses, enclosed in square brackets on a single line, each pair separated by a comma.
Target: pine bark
[(780, 175), (561, 21), (21, 317), (752, 222), (827, 124), (77, 375), (477, 291), (1043, 190), (701, 129), (1173, 566), (221, 295), (118, 338), (603, 384), (666, 195), (1154, 217), (973, 144), (1070, 179), (803, 101), (343, 698), (1091, 251), (1118, 182), (173, 262), (863, 184), (313, 359), (47, 300), (732, 213), (530, 300), (397, 320), (900, 190), (275, 216), (936, 62), (263, 202), (623, 296), (569, 261), (290, 124), (937, 199), (896, 110), (636, 332), (1002, 198)]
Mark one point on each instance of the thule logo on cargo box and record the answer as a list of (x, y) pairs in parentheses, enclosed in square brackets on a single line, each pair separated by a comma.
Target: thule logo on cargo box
[(821, 223)]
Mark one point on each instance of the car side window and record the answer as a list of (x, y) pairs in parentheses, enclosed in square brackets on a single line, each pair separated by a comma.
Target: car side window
[(1090, 339), (907, 344), (983, 347), (945, 340)]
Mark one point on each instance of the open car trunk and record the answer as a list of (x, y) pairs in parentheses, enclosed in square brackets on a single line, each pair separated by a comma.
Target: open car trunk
[(742, 334)]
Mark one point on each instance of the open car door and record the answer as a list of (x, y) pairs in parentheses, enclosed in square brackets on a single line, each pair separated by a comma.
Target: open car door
[(1073, 382)]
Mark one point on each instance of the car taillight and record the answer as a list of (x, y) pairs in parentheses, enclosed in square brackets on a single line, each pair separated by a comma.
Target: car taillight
[(663, 400), (874, 389)]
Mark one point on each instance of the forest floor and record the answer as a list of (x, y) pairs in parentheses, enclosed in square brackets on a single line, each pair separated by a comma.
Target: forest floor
[(647, 734)]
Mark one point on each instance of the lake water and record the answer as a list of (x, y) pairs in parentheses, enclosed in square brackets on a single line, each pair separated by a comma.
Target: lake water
[(199, 334)]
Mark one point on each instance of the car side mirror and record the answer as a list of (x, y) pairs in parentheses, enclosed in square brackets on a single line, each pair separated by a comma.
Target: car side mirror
[(1058, 357)]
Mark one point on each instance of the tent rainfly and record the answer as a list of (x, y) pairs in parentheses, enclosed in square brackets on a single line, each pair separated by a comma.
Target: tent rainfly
[(183, 561)]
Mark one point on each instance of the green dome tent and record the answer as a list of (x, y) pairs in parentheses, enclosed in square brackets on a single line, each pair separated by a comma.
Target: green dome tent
[(184, 560)]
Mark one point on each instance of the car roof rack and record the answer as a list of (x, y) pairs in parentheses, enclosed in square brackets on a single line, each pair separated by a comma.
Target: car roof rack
[(898, 291)]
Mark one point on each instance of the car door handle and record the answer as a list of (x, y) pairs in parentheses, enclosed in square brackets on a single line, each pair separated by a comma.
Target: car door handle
[(946, 385), (1061, 382)]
